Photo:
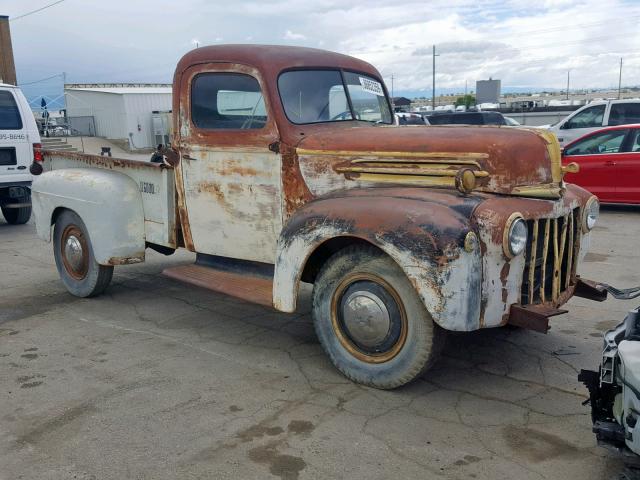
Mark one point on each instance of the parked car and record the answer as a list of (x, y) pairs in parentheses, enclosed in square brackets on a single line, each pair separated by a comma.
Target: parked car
[(512, 122), (609, 161), (19, 147), (466, 118), (278, 176), (594, 116)]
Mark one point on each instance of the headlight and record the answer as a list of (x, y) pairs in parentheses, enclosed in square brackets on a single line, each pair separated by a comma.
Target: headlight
[(515, 236), (591, 213)]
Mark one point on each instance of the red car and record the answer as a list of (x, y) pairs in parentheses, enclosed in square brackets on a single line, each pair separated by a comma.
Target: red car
[(609, 162)]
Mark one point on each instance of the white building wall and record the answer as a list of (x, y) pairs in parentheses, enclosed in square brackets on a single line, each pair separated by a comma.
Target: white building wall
[(138, 108), (107, 109)]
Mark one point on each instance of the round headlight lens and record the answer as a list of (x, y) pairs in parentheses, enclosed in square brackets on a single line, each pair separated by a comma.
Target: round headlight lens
[(592, 213), (517, 237)]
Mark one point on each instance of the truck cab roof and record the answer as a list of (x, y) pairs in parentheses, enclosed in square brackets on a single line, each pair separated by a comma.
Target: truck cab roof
[(272, 58)]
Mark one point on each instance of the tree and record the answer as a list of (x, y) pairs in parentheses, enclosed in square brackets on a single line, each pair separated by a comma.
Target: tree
[(467, 101)]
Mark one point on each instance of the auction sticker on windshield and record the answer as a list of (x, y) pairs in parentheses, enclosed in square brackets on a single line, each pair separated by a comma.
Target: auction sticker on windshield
[(371, 86)]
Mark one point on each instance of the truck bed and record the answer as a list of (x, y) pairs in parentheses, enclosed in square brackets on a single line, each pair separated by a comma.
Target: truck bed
[(156, 184)]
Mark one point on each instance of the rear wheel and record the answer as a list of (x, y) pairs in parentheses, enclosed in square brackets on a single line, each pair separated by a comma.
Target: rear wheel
[(76, 264), (370, 320), (18, 216)]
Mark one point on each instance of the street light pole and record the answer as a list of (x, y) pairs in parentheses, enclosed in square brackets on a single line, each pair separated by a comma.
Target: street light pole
[(620, 79), (568, 72), (433, 94)]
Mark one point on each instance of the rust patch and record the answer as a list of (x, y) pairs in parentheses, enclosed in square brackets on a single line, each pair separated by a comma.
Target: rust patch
[(295, 191)]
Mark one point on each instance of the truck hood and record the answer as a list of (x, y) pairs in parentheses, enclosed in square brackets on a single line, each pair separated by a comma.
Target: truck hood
[(504, 160)]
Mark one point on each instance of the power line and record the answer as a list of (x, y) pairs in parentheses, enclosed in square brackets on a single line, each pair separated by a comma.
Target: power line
[(42, 79), (35, 11)]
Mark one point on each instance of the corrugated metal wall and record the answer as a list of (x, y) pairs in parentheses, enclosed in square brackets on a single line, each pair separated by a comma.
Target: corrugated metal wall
[(107, 110), (138, 108)]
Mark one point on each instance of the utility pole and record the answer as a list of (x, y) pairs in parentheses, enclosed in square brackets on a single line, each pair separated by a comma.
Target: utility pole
[(433, 95), (392, 88), (620, 79), (568, 72)]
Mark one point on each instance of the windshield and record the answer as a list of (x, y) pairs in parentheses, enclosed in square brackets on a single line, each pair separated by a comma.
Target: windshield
[(314, 96)]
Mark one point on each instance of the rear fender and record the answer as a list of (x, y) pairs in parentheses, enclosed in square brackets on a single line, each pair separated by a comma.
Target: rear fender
[(108, 202), (425, 239)]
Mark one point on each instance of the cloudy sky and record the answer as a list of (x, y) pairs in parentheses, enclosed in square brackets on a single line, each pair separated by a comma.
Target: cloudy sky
[(523, 42)]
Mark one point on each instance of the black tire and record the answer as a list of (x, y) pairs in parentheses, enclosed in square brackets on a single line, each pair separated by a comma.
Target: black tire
[(18, 216), (397, 358), (84, 277)]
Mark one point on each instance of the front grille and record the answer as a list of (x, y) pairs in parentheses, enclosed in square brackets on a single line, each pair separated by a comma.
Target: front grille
[(551, 257)]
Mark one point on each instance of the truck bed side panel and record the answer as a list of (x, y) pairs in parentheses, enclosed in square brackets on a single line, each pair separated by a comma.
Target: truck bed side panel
[(156, 185)]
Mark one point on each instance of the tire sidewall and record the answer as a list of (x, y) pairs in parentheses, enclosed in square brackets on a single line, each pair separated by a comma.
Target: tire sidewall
[(18, 216), (418, 348), (87, 286)]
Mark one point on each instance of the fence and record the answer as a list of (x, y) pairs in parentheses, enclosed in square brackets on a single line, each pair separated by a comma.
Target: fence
[(81, 126)]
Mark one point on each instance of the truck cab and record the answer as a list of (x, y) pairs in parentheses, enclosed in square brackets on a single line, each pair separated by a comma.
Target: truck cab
[(286, 168)]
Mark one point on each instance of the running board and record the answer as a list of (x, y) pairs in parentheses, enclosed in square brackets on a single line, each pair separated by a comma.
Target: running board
[(254, 289)]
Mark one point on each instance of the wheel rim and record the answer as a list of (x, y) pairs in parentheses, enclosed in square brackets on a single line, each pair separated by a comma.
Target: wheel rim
[(368, 318), (74, 252)]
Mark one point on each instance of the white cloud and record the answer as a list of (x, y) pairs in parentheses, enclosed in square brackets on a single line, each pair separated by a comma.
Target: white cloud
[(521, 43), (289, 35)]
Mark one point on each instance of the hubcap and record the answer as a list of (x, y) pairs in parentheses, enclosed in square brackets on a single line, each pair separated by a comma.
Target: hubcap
[(75, 251), (368, 318)]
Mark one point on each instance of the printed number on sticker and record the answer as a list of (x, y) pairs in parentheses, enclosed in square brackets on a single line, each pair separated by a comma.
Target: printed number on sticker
[(371, 86)]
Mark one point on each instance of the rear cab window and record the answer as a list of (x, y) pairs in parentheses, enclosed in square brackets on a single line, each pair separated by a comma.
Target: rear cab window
[(227, 101), (10, 118), (624, 113)]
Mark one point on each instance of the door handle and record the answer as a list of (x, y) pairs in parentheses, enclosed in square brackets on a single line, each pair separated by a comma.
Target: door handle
[(610, 163)]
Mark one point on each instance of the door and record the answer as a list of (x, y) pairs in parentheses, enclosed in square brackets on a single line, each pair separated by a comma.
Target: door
[(597, 156), (16, 151), (628, 170), (232, 180), (583, 122)]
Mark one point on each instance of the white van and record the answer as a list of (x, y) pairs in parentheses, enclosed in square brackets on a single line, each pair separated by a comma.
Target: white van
[(597, 114), (19, 147)]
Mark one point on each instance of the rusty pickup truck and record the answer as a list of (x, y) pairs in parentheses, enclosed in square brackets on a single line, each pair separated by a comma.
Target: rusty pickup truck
[(286, 168)]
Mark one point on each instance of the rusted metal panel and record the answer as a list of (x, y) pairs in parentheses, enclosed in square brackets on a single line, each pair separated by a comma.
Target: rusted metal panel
[(231, 186), (423, 232), (591, 290), (507, 161), (252, 289), (155, 183), (533, 317)]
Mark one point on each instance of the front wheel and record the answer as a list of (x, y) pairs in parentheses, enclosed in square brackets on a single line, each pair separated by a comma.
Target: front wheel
[(76, 264), (370, 320)]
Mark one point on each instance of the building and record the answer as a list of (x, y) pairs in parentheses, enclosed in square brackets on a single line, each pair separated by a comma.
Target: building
[(122, 113), (401, 104), (487, 91)]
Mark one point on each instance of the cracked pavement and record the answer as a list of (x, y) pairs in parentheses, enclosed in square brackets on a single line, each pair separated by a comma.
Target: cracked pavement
[(156, 379)]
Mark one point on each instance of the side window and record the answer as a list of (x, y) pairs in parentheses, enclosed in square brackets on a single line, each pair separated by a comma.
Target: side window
[(10, 118), (605, 142), (227, 101), (624, 113), (635, 142), (589, 117)]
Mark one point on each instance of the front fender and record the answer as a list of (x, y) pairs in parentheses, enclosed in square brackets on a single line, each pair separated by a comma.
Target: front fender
[(424, 238), (108, 202)]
